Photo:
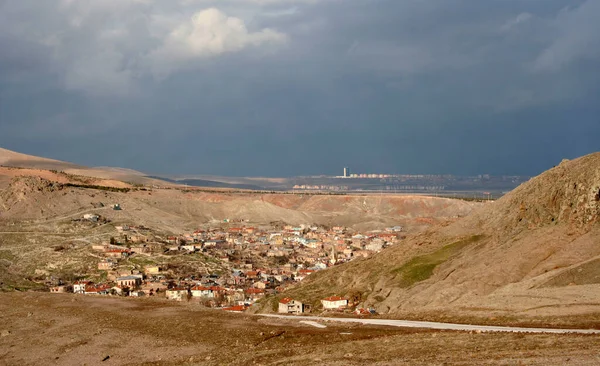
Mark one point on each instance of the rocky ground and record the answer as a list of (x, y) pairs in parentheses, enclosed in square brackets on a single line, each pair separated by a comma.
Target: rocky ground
[(38, 328)]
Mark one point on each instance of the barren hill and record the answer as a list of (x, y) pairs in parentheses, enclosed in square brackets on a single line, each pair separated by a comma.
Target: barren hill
[(534, 251), (13, 159), (36, 198)]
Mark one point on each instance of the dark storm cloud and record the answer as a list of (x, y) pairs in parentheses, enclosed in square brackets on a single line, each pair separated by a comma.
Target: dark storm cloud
[(287, 87)]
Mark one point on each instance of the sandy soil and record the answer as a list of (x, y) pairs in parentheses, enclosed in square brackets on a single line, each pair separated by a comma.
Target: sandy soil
[(47, 329)]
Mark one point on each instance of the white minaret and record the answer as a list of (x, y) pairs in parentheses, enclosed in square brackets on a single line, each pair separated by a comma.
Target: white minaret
[(333, 259)]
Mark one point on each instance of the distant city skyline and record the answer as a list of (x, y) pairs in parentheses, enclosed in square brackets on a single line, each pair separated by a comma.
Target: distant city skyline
[(285, 88)]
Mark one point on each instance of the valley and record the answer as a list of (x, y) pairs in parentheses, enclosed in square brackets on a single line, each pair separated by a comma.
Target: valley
[(116, 253)]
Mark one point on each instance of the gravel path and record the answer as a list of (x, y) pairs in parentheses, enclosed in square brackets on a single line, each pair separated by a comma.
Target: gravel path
[(435, 325)]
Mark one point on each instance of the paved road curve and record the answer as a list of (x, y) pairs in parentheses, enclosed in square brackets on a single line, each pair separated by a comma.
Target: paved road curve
[(434, 325)]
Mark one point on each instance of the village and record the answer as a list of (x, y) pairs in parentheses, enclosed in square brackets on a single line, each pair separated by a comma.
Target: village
[(227, 267)]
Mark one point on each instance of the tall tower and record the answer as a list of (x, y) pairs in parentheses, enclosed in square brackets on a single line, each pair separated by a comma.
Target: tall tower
[(333, 256), (346, 172)]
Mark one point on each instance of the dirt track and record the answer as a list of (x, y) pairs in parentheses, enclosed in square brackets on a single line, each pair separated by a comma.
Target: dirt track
[(437, 325)]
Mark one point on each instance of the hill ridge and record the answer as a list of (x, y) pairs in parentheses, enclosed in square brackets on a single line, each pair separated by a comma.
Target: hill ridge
[(501, 258)]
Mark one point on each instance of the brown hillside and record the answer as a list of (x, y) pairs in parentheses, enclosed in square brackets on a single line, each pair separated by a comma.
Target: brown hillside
[(14, 159), (535, 251), (35, 198)]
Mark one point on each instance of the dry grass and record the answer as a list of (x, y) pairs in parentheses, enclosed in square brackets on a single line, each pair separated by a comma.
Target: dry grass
[(77, 330)]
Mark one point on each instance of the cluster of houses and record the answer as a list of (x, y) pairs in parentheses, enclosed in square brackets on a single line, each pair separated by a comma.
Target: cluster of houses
[(333, 303), (290, 306), (257, 261), (310, 246), (126, 285)]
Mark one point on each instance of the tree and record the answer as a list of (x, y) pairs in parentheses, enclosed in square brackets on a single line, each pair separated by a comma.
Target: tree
[(113, 241)]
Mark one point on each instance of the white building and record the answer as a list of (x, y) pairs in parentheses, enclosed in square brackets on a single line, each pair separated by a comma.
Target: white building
[(178, 294), (131, 281), (91, 217), (79, 286), (334, 302), (289, 306), (202, 291)]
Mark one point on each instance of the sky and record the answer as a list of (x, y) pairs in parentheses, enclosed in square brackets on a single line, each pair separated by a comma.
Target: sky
[(302, 87)]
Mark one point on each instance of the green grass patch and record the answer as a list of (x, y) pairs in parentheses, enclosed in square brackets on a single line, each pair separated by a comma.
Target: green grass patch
[(142, 261), (421, 268)]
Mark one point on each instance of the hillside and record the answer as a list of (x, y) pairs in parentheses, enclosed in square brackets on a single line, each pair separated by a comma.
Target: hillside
[(41, 232), (533, 252), (174, 210), (37, 166)]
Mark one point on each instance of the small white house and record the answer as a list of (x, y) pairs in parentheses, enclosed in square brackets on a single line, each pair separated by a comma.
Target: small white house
[(79, 286), (334, 302), (190, 248), (178, 294), (91, 217), (290, 306), (202, 291)]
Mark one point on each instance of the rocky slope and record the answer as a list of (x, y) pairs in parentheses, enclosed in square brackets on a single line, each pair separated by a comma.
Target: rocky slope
[(536, 250)]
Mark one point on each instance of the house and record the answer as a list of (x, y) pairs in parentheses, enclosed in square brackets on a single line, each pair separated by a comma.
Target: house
[(119, 290), (305, 272), (334, 302), (101, 289), (116, 253), (61, 289), (177, 293), (91, 217), (107, 264), (190, 247), (290, 306), (100, 247), (260, 284), (79, 286), (255, 293), (374, 246), (212, 292), (236, 309), (202, 291), (153, 269), (132, 281)]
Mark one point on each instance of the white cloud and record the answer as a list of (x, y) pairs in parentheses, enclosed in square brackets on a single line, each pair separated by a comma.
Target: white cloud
[(207, 34), (106, 46)]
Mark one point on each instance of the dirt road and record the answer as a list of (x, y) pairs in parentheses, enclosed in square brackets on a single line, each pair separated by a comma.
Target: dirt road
[(438, 326)]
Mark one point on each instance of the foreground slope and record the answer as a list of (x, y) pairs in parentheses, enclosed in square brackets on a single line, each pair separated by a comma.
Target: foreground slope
[(535, 251), (79, 330)]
